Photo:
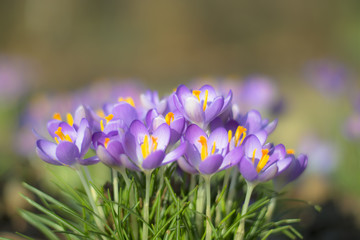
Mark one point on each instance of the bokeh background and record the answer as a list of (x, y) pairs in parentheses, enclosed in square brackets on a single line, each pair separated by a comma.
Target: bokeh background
[(298, 59)]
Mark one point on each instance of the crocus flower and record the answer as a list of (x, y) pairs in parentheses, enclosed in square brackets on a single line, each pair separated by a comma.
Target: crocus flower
[(151, 100), (175, 120), (149, 150), (201, 106), (256, 165), (208, 154), (70, 144)]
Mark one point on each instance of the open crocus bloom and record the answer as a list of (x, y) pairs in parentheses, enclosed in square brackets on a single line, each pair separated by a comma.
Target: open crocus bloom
[(256, 165), (207, 155), (149, 150), (200, 106), (71, 144)]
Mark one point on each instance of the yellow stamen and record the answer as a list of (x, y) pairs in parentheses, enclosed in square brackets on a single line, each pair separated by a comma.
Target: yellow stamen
[(205, 100), (56, 140), (62, 136), (145, 147), (102, 125), (129, 100), (264, 159), (100, 113), (240, 131), (196, 93), (204, 149), (290, 151), (70, 119), (169, 118), (57, 116), (154, 143), (106, 142), (109, 117), (229, 136), (213, 148), (253, 157)]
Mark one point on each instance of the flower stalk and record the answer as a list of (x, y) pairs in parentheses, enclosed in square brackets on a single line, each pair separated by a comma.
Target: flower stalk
[(208, 206), (146, 205)]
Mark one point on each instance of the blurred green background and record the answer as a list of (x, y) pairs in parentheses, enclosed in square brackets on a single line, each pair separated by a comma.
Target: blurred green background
[(64, 46)]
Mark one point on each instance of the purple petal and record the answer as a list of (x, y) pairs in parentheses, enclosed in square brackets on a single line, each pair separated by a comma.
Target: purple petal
[(214, 109), (48, 148), (176, 129), (211, 92), (284, 163), (247, 169), (138, 130), (193, 133), (175, 154), (161, 107), (183, 92), (227, 101), (179, 106), (220, 137), (89, 161), (52, 126), (162, 133), (262, 136), (211, 164), (253, 120), (251, 143), (46, 158), (154, 160), (278, 153), (232, 158), (269, 128), (67, 153), (128, 163), (186, 166), (132, 148), (106, 157), (150, 116), (68, 130), (83, 139), (194, 111), (268, 173), (125, 112)]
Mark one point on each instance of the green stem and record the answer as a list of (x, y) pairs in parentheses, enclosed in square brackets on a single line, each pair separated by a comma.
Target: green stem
[(208, 206), (146, 206), (200, 205), (232, 190), (93, 193), (271, 209), (116, 188), (239, 235), (192, 186), (90, 197)]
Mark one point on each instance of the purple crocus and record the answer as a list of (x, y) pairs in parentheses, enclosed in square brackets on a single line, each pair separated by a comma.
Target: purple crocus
[(150, 100), (208, 154), (70, 144), (256, 165), (201, 106), (149, 150)]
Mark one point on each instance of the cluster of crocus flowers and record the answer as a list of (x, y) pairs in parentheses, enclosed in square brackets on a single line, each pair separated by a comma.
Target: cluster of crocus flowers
[(199, 129)]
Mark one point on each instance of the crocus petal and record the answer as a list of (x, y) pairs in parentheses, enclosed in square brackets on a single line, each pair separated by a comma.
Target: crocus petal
[(125, 112), (48, 148), (211, 164), (220, 137), (247, 169), (183, 92), (262, 136), (193, 133), (269, 128), (83, 139), (89, 161), (214, 109), (162, 133), (179, 106), (232, 158), (211, 92), (132, 148), (115, 148), (68, 130), (194, 111), (268, 173), (127, 163), (176, 129), (175, 154), (46, 158), (227, 101), (186, 166), (67, 153), (138, 130), (253, 120), (284, 163), (251, 143), (150, 117), (193, 155), (52, 126), (153, 160), (161, 107), (278, 153)]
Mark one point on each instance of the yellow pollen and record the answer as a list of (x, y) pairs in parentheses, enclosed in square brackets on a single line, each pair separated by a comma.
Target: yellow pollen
[(109, 117), (128, 100), (253, 157), (154, 143), (57, 116), (145, 147), (213, 148), (169, 118), (240, 131), (204, 149), (62, 136), (196, 93), (70, 119), (264, 159), (106, 142), (205, 100), (56, 140), (229, 136), (100, 113), (102, 125), (290, 151)]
